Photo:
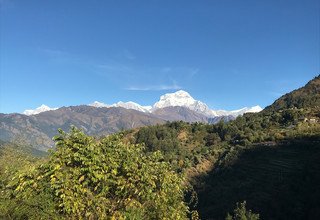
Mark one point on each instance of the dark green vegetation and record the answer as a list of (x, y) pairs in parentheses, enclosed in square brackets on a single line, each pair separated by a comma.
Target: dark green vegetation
[(271, 160)]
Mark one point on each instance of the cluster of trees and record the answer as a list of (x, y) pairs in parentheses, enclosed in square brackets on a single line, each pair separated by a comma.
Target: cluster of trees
[(86, 178)]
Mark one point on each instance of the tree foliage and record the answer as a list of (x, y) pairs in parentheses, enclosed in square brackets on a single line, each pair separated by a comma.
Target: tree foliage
[(89, 179)]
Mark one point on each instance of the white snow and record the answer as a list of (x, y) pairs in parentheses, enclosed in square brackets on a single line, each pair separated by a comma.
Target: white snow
[(132, 105), (184, 99), (42, 108), (99, 104), (238, 112)]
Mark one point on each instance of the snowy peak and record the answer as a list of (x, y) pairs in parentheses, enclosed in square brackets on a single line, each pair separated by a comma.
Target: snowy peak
[(132, 105), (42, 108), (179, 98), (184, 99), (239, 112)]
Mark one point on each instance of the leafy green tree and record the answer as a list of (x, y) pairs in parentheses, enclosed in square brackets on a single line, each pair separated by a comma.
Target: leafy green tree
[(241, 213), (105, 179)]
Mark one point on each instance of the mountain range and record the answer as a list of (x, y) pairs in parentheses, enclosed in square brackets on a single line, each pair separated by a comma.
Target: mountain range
[(180, 98), (37, 127)]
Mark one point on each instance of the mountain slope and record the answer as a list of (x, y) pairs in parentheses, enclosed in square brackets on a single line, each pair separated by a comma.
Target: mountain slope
[(306, 96), (39, 129)]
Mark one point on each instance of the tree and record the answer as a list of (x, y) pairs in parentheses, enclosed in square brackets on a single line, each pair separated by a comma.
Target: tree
[(241, 213), (90, 179), (212, 139)]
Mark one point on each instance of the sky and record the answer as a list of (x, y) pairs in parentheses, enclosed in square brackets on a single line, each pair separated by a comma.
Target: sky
[(226, 53)]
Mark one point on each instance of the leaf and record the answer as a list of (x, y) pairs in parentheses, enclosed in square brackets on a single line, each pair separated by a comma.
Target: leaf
[(81, 179)]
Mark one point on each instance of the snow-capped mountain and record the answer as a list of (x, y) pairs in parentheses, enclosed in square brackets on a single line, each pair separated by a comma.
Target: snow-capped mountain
[(132, 105), (183, 99), (42, 108), (177, 99)]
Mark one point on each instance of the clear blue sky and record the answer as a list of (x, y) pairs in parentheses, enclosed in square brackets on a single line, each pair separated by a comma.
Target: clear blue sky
[(226, 53)]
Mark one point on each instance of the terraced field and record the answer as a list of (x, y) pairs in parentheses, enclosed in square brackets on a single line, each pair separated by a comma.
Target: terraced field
[(279, 182)]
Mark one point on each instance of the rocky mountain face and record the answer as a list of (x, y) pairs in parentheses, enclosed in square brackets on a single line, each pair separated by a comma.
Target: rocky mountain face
[(37, 127)]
